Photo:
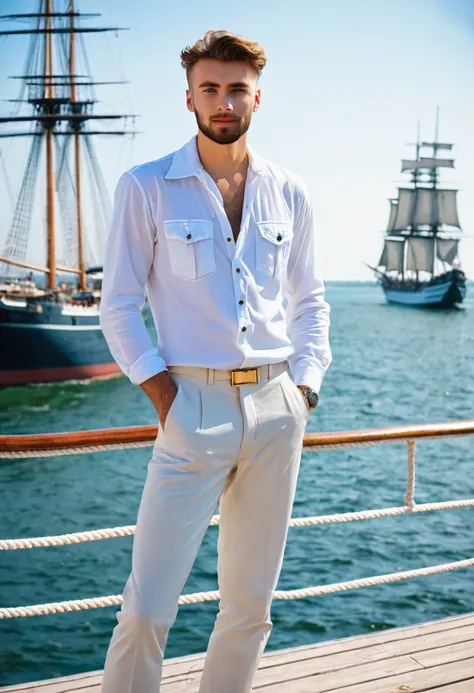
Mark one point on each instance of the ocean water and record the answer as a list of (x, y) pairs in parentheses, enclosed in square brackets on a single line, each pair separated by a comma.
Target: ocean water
[(391, 366)]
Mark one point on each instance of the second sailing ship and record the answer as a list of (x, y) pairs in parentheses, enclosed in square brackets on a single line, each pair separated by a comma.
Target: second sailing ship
[(420, 265)]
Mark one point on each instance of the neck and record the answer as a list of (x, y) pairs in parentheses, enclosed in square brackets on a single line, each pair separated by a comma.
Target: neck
[(222, 160)]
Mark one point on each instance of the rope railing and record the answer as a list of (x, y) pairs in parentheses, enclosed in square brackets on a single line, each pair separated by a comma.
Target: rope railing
[(140, 436), (199, 597), (318, 520)]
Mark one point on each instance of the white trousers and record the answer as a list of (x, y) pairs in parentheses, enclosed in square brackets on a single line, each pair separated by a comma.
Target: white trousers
[(239, 446)]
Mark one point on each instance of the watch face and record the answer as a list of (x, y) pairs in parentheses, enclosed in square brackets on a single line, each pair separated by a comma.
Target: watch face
[(313, 398)]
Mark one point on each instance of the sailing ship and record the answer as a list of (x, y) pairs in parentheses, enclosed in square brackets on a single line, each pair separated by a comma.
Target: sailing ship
[(50, 331), (420, 265)]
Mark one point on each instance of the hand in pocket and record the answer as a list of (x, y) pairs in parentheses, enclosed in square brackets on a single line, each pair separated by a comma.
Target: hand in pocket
[(164, 419)]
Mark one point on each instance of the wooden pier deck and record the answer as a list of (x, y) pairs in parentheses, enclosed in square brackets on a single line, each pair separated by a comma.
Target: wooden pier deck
[(435, 656)]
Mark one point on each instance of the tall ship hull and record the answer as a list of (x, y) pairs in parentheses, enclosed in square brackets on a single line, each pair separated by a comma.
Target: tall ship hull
[(49, 330), (446, 291), (420, 264), (45, 342)]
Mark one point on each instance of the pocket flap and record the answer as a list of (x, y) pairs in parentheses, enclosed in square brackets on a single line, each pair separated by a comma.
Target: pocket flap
[(276, 232), (189, 230)]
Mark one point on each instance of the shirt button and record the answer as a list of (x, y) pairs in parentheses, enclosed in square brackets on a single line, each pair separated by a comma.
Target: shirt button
[(229, 239), (241, 303), (278, 238), (244, 329), (238, 269), (189, 236)]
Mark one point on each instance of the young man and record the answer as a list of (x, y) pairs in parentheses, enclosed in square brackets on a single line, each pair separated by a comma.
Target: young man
[(218, 238)]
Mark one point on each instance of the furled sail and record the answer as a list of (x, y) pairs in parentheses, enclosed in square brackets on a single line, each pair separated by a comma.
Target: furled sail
[(392, 255), (438, 145), (426, 162), (447, 249), (420, 254)]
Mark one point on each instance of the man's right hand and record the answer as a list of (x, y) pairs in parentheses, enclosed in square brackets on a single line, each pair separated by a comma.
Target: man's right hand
[(161, 389)]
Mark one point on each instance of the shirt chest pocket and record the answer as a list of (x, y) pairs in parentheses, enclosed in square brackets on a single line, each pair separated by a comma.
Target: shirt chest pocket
[(190, 245), (273, 245)]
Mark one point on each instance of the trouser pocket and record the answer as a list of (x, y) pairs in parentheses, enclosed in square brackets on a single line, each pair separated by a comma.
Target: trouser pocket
[(185, 413)]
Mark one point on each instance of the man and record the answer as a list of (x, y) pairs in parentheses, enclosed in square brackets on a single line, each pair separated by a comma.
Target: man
[(218, 238)]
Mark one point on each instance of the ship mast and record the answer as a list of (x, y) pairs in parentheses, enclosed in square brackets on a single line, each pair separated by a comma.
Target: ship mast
[(415, 184), (48, 96), (434, 179), (57, 111), (77, 152)]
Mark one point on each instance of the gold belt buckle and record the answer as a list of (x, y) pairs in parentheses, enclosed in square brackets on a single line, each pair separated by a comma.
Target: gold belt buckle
[(244, 376)]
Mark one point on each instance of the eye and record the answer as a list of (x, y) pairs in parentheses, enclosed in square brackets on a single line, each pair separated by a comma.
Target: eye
[(209, 89), (238, 89)]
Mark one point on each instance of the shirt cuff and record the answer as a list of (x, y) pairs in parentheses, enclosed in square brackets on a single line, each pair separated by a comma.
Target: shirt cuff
[(309, 376), (149, 364)]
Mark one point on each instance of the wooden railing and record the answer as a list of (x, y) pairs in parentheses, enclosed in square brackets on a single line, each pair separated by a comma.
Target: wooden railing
[(101, 438)]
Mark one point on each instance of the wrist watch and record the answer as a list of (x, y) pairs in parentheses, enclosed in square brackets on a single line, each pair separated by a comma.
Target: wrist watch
[(311, 395)]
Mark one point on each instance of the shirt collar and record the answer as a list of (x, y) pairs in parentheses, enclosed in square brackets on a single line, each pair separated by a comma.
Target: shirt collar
[(256, 162), (186, 162)]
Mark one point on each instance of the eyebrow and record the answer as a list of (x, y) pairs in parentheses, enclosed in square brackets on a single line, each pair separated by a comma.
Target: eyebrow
[(215, 84)]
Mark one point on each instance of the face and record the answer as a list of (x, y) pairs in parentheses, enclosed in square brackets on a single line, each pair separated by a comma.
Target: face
[(223, 96)]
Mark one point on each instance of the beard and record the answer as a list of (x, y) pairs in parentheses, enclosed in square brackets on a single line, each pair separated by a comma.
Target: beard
[(222, 134)]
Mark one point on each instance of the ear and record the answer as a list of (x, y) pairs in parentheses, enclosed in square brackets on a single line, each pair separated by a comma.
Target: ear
[(256, 104), (189, 101)]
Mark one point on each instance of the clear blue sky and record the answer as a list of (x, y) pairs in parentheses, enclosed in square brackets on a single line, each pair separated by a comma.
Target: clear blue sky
[(344, 87)]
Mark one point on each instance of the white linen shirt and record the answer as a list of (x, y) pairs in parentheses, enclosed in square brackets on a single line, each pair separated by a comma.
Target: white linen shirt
[(216, 303)]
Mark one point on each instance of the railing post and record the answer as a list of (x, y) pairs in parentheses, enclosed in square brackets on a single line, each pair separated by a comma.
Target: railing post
[(411, 472)]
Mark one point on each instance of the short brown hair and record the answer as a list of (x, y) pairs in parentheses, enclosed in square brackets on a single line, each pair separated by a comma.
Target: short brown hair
[(224, 45)]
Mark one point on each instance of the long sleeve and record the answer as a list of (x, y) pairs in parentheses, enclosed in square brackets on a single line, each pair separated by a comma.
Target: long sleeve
[(129, 256), (307, 311)]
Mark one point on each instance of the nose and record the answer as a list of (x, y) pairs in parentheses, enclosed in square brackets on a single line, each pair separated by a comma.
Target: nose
[(224, 104)]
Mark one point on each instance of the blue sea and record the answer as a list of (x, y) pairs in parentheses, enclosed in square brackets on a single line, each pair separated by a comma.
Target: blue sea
[(392, 365)]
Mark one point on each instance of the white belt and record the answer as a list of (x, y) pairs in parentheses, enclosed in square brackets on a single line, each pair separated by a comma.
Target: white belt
[(235, 377)]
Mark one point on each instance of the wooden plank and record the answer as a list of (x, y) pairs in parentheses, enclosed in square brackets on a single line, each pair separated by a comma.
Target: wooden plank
[(360, 648), (440, 679), (411, 648), (424, 642), (181, 666), (385, 636), (76, 681), (48, 685), (304, 679), (442, 649), (287, 678), (462, 687), (397, 646), (443, 655)]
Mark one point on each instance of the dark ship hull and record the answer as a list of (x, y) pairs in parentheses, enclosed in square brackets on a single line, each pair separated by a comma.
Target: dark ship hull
[(445, 291), (43, 341)]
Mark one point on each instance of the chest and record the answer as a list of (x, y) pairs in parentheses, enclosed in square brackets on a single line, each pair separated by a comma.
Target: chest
[(233, 208), (188, 217)]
